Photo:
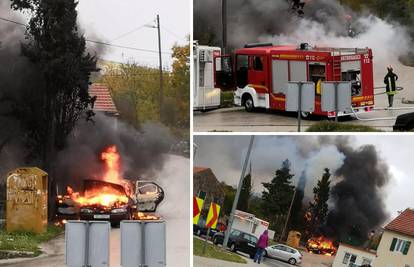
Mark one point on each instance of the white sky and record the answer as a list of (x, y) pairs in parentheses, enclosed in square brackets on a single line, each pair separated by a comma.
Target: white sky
[(108, 19), (226, 162), (105, 20)]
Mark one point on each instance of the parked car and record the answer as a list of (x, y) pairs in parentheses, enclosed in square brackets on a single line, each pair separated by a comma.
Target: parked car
[(285, 253), (238, 241), (201, 229), (404, 122)]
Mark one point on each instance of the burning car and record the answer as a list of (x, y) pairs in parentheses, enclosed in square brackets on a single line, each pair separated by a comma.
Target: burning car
[(110, 198), (106, 201), (321, 245)]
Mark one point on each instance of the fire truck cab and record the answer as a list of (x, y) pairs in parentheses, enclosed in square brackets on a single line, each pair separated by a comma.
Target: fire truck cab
[(206, 95), (262, 71)]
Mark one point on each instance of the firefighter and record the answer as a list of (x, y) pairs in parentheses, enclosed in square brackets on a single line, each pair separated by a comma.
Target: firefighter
[(319, 86), (391, 88)]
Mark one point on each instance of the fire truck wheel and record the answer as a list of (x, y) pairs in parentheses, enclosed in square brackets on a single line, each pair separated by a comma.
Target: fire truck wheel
[(249, 104), (292, 261)]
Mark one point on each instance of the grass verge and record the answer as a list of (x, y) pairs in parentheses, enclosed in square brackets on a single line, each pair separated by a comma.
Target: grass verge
[(215, 252), (331, 126), (26, 241)]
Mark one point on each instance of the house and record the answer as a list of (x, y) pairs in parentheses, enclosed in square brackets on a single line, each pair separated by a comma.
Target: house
[(204, 181), (104, 102), (395, 248), (346, 255)]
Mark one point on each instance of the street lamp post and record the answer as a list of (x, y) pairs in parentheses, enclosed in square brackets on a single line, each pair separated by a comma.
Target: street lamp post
[(161, 93), (236, 198)]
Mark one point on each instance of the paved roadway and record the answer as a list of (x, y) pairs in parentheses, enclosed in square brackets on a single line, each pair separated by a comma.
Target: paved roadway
[(238, 120), (309, 260)]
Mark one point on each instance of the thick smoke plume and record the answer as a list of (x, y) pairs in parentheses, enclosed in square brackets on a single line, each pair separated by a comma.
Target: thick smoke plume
[(358, 194), (142, 153)]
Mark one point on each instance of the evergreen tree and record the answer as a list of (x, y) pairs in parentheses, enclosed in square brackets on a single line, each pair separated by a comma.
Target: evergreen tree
[(319, 207), (55, 45), (245, 193), (277, 196)]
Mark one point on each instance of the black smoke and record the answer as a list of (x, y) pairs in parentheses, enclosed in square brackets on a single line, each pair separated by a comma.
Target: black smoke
[(142, 152), (358, 197)]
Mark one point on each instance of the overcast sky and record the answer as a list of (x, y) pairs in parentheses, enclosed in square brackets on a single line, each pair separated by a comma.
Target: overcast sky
[(107, 20), (224, 155)]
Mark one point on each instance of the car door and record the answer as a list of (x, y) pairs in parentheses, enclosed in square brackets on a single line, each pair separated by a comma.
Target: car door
[(235, 237), (252, 243), (280, 252), (257, 72)]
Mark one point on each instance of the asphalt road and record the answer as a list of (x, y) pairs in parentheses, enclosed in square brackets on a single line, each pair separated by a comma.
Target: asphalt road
[(238, 120)]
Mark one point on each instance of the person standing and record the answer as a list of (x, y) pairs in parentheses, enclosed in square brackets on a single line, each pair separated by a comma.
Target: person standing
[(261, 245), (391, 88)]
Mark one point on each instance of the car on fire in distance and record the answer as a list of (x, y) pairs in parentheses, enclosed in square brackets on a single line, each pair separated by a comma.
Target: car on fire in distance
[(115, 212), (238, 241), (284, 253)]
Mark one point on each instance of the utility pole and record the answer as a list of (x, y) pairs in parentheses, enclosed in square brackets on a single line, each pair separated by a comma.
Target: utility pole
[(288, 215), (236, 198), (224, 24), (161, 96)]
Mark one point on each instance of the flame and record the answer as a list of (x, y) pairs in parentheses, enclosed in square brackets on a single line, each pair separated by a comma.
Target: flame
[(142, 216), (112, 164), (321, 245), (104, 196)]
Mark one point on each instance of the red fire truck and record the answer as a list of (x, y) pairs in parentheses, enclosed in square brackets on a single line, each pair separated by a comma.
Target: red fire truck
[(261, 72)]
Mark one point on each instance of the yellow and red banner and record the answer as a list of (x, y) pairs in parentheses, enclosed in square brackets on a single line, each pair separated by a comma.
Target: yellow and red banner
[(197, 206), (213, 215)]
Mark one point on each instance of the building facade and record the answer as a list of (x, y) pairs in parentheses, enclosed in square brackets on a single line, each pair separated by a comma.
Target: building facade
[(348, 255), (396, 246)]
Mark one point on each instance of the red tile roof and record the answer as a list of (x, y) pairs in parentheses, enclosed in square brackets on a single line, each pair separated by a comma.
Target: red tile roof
[(403, 224), (104, 101), (199, 169)]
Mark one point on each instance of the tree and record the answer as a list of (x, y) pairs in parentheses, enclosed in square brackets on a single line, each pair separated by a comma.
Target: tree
[(277, 196), (57, 48), (245, 193), (319, 207), (229, 195), (177, 109)]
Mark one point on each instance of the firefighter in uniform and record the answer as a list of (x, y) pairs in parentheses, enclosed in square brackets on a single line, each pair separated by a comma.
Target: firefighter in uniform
[(391, 88)]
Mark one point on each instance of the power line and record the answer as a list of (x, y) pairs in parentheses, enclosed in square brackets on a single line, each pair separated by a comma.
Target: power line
[(127, 47), (15, 22), (99, 42), (131, 31), (172, 33)]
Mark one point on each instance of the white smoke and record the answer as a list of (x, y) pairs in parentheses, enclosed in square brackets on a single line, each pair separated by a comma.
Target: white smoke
[(387, 40)]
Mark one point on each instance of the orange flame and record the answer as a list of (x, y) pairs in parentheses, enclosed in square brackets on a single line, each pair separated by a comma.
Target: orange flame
[(321, 245), (112, 164)]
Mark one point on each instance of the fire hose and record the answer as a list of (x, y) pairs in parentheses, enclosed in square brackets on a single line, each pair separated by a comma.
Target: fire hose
[(399, 88)]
